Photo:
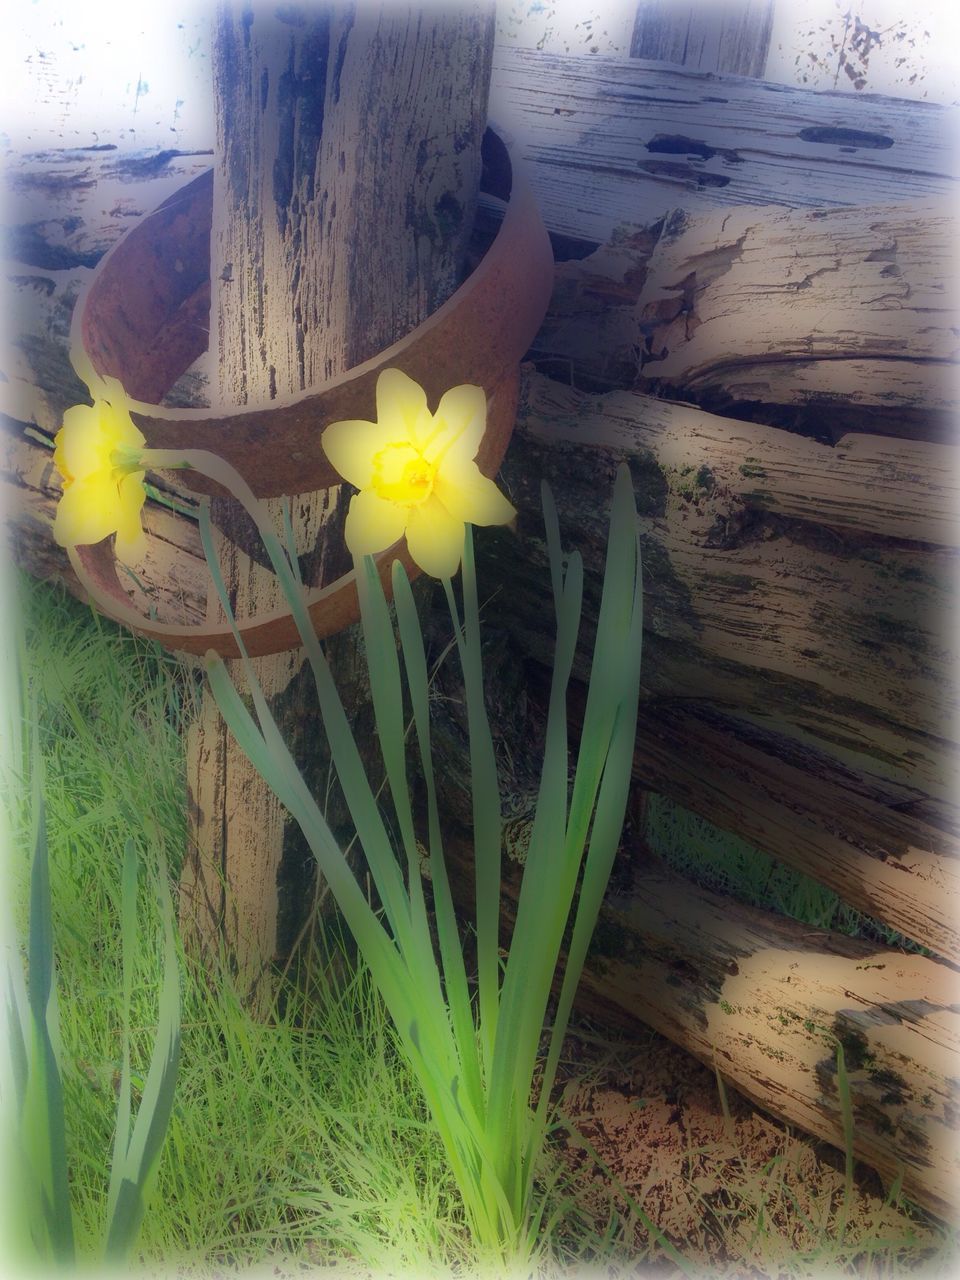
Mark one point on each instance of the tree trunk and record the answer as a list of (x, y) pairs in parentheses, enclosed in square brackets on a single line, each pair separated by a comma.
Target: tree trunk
[(333, 236)]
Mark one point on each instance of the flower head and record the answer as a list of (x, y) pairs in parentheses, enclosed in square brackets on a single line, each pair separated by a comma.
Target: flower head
[(98, 455), (416, 473)]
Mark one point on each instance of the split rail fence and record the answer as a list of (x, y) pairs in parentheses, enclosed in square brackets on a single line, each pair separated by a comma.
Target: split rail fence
[(755, 305)]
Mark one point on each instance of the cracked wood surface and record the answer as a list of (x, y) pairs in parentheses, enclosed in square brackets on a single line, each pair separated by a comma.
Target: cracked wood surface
[(777, 316), (753, 605), (766, 1001), (848, 310), (653, 138), (318, 262)]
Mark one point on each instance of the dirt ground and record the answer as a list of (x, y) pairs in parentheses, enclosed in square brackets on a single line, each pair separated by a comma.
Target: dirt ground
[(736, 1192)]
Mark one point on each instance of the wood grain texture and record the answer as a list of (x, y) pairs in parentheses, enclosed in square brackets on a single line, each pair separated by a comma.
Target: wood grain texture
[(60, 212), (856, 303), (731, 36), (874, 485), (737, 590), (766, 1001), (333, 236), (826, 322), (653, 138)]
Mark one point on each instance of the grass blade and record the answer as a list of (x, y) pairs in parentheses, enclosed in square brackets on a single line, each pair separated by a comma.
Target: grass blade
[(138, 1161), (43, 1131), (485, 792)]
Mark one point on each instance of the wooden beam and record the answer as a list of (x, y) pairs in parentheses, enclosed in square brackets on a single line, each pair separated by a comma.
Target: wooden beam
[(766, 1001), (651, 138), (847, 831), (846, 641), (825, 337), (841, 313), (875, 485)]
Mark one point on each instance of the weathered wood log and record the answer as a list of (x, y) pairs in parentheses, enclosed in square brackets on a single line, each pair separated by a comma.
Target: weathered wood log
[(874, 485), (732, 36), (768, 1001), (332, 238), (895, 859), (653, 137), (798, 319), (749, 608), (757, 715), (836, 312)]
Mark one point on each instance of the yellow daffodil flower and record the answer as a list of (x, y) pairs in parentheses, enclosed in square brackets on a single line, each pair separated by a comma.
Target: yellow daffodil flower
[(98, 452), (416, 473)]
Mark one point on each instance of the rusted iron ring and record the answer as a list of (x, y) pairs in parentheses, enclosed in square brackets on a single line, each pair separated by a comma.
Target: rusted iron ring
[(143, 319)]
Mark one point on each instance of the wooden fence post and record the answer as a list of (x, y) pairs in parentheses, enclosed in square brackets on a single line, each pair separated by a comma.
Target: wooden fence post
[(347, 174)]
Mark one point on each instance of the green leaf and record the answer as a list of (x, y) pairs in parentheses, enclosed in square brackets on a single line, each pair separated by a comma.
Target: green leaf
[(136, 1158), (43, 1130)]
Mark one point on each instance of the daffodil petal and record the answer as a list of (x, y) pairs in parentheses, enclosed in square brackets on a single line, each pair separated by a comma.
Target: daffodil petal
[(465, 490), (352, 445), (87, 512), (401, 404), (459, 424), (373, 523), (131, 543), (79, 450), (131, 550), (435, 539)]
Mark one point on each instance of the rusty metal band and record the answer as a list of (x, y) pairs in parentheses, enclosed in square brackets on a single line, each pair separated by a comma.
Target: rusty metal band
[(144, 319)]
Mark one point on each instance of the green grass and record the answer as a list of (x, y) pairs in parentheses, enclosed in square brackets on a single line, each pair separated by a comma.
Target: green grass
[(302, 1139), (302, 1133), (717, 860)]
